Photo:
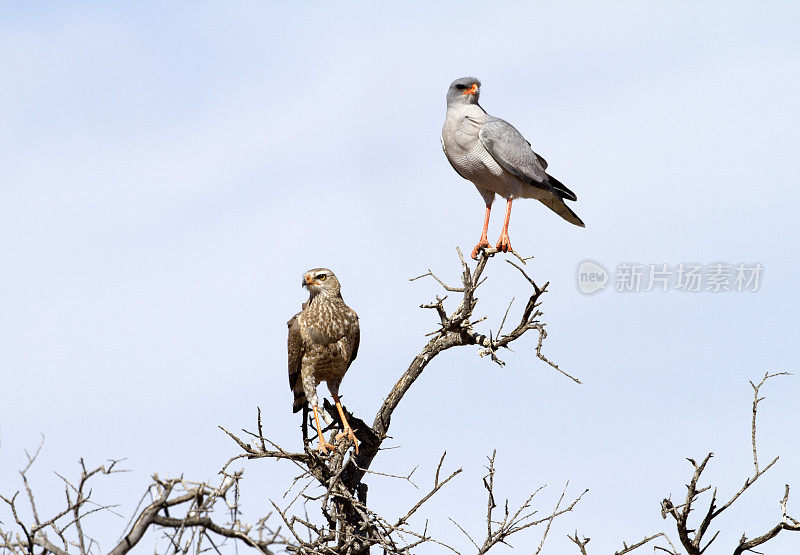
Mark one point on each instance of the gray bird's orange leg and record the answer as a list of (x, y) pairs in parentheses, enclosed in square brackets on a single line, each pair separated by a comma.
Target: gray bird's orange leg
[(323, 445), (484, 242), (504, 243), (348, 431)]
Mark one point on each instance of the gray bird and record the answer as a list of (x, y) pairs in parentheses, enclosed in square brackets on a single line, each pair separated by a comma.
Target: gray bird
[(323, 343), (492, 154)]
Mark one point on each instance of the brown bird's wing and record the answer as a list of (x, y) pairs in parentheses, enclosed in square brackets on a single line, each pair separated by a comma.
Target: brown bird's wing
[(357, 341), (296, 352), (542, 161)]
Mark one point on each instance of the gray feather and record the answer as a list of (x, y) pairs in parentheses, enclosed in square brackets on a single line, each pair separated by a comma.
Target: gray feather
[(513, 152)]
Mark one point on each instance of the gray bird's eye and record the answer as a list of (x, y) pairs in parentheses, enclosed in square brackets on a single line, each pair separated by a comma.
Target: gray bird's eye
[(321, 277), (461, 87)]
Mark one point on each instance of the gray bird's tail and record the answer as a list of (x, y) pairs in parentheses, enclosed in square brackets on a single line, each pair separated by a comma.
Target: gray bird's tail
[(553, 198), (557, 205), (562, 190)]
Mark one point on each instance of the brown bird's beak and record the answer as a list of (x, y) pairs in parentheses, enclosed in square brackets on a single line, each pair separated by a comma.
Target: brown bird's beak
[(306, 281), (472, 90)]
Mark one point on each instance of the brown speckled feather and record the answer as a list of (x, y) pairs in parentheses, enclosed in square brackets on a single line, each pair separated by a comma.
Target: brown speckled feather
[(295, 347), (323, 342)]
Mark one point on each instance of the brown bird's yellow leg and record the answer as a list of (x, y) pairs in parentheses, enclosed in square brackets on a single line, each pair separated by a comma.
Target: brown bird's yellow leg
[(484, 242), (504, 243), (348, 431), (323, 445)]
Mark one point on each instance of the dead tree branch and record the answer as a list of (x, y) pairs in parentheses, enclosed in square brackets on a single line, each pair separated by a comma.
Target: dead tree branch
[(628, 548), (499, 531), (455, 330), (198, 502), (351, 526), (692, 538)]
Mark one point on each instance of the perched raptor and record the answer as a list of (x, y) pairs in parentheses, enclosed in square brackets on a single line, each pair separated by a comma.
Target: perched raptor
[(492, 154), (323, 342)]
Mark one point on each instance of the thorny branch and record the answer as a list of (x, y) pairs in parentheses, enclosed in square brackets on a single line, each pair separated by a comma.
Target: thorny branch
[(458, 327), (692, 538), (351, 527), (581, 543), (64, 533), (498, 531)]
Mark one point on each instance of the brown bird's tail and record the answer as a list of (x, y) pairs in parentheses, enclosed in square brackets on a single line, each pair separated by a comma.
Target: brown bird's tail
[(299, 400)]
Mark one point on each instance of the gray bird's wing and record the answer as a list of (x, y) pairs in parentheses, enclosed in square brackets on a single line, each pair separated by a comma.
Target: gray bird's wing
[(295, 352), (514, 154)]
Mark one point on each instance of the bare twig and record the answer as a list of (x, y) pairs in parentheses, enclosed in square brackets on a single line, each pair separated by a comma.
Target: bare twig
[(580, 542), (628, 548), (437, 485), (756, 400)]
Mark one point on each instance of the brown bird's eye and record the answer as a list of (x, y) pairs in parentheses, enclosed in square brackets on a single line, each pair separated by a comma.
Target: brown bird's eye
[(321, 277)]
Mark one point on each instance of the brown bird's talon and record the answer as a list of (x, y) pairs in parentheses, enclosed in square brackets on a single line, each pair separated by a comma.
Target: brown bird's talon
[(348, 431), (350, 436), (324, 447)]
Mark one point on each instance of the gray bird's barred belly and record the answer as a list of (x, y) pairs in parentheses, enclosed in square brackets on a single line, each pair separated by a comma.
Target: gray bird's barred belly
[(484, 171), (479, 167)]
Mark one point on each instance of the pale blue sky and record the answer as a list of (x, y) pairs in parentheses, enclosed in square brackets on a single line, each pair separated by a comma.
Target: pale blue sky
[(170, 172)]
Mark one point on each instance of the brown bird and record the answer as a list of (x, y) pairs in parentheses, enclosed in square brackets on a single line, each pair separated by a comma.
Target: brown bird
[(323, 343)]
